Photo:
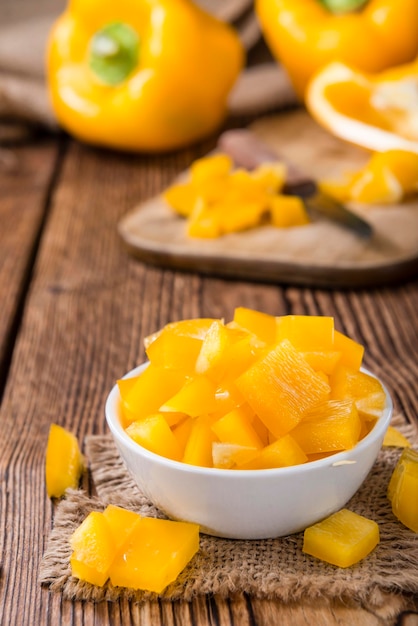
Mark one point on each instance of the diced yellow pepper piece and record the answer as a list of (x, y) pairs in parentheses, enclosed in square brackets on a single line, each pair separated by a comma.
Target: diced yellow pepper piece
[(64, 462), (203, 222), (182, 432), (198, 449), (287, 211), (240, 215), (340, 190), (394, 438), (239, 356), (260, 324), (322, 361), (235, 427), (283, 452), (93, 550), (193, 328), (271, 176), (155, 554), (197, 396), (261, 430), (376, 186), (216, 341), (173, 418), (330, 426), (281, 387), (408, 455), (181, 197), (307, 333), (403, 165), (342, 539), (243, 187), (403, 489), (145, 393), (175, 351), (154, 434), (231, 455), (209, 168), (365, 390), (367, 425), (351, 351), (121, 523)]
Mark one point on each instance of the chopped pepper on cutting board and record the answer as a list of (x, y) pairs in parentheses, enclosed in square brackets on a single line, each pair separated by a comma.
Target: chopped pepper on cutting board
[(304, 35), (141, 76)]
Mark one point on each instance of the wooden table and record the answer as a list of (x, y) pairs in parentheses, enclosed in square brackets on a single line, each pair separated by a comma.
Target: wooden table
[(74, 310)]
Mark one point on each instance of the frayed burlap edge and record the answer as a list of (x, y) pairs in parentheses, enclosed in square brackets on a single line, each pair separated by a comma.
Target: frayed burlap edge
[(272, 568)]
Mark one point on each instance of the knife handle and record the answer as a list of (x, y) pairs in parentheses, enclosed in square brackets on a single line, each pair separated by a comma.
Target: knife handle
[(248, 151)]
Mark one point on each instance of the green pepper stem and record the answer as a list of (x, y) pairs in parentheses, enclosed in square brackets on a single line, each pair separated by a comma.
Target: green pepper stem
[(105, 46), (343, 6), (114, 53)]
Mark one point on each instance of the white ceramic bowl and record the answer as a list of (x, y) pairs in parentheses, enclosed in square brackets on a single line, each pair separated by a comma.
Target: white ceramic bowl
[(247, 504)]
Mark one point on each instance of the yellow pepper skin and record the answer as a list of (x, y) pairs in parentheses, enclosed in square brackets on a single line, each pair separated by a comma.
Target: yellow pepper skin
[(182, 63), (305, 36)]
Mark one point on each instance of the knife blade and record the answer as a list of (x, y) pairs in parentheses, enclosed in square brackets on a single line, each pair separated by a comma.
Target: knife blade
[(248, 151)]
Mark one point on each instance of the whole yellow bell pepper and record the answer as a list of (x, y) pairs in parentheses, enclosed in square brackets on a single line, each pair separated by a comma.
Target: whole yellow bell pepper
[(305, 35), (141, 75)]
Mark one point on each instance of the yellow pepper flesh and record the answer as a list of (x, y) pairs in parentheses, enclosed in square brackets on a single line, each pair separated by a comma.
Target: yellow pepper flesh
[(305, 36), (174, 95)]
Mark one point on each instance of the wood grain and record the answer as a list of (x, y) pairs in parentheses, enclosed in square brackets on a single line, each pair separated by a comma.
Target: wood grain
[(25, 177), (321, 253), (87, 309)]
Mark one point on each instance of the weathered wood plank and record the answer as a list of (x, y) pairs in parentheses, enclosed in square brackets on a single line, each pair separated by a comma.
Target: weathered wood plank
[(25, 175), (88, 309)]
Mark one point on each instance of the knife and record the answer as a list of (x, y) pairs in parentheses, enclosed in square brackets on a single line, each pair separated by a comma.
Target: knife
[(248, 151)]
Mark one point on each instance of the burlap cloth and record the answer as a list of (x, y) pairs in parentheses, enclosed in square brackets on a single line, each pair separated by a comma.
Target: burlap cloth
[(271, 568)]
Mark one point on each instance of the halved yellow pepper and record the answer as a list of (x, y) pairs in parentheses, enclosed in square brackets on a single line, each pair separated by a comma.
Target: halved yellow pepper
[(376, 111), (147, 76)]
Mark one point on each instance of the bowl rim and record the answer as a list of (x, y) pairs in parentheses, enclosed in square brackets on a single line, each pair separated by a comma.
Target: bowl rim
[(336, 459)]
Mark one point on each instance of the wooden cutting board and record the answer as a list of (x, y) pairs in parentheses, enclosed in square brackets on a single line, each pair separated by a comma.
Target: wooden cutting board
[(320, 254)]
